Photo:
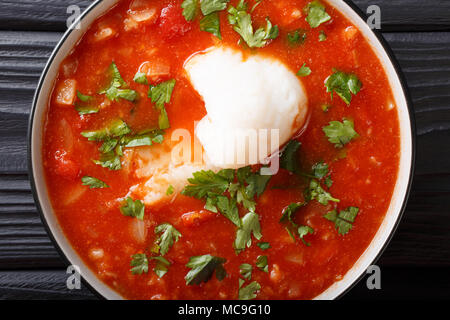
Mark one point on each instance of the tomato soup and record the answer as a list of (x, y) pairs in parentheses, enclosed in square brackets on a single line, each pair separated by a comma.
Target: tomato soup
[(151, 73)]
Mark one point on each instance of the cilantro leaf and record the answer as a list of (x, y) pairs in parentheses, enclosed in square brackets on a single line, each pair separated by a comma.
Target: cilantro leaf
[(316, 192), (242, 24), (320, 170), (117, 88), (82, 97), (161, 267), (139, 263), (134, 209), (316, 14), (250, 225), (246, 270), (190, 8), (261, 263), (304, 71), (340, 133), (250, 291), (160, 95), (288, 158), (83, 110), (169, 235), (297, 37), (205, 182), (228, 208), (211, 24), (93, 183), (303, 231), (344, 84), (344, 220), (203, 267), (263, 245), (140, 78), (210, 6)]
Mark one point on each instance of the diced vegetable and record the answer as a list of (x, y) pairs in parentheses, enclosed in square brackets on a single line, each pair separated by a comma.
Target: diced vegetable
[(66, 92)]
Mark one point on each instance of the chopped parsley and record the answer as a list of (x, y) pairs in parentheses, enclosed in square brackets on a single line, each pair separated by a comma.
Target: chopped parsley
[(82, 97), (246, 270), (210, 6), (303, 231), (139, 263), (134, 209), (288, 158), (161, 267), (344, 84), (93, 183), (320, 170), (344, 220), (242, 24), (316, 192), (140, 78), (170, 190), (293, 228), (190, 8), (83, 110), (203, 267), (304, 71), (118, 88), (211, 24), (297, 37), (261, 263), (263, 245), (316, 14), (250, 291), (168, 236), (340, 133), (161, 94), (250, 225)]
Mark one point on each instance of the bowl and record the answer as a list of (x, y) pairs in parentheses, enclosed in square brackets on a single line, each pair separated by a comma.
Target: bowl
[(370, 255)]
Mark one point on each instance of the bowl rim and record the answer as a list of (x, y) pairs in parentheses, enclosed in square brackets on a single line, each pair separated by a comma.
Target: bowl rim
[(398, 73)]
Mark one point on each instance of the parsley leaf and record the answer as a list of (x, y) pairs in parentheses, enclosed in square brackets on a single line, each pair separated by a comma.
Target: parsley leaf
[(116, 128), (290, 211), (261, 263), (344, 220), (203, 267), (139, 263), (320, 170), (288, 158), (169, 190), (249, 292), (190, 8), (109, 160), (211, 24), (242, 24), (117, 88), (210, 6), (250, 225), (246, 270), (140, 78), (161, 267), (322, 36), (160, 95), (316, 192), (134, 209), (316, 14), (340, 133), (205, 182), (83, 110), (93, 183), (297, 37), (263, 245), (303, 231), (82, 97), (228, 208), (168, 236), (344, 84), (304, 71)]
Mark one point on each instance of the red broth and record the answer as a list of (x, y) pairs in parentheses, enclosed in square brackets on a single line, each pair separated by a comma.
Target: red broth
[(364, 172)]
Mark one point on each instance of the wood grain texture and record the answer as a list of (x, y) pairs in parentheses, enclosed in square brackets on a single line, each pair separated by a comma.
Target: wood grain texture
[(424, 233), (397, 15)]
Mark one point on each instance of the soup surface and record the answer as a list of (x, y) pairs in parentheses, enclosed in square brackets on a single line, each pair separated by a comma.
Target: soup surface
[(132, 92)]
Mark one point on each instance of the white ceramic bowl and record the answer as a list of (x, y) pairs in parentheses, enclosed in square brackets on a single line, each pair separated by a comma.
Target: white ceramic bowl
[(373, 251)]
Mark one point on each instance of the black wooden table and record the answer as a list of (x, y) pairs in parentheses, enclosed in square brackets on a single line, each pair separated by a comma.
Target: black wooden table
[(417, 261)]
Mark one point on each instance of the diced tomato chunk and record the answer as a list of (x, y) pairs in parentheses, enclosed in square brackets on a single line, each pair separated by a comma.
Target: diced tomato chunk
[(65, 167), (194, 218), (172, 22)]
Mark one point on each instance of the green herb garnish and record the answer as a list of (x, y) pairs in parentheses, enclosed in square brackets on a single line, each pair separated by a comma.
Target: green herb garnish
[(340, 133), (344, 84), (203, 267), (93, 183), (316, 14), (344, 220)]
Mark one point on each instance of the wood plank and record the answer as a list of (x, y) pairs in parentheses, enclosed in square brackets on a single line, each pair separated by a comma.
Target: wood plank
[(424, 233), (397, 15)]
